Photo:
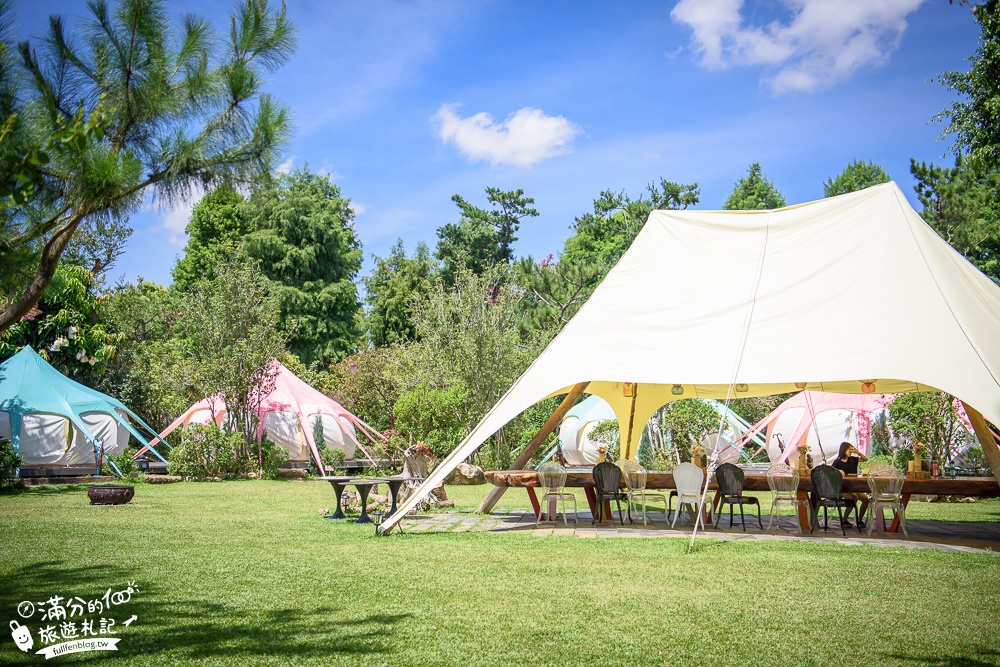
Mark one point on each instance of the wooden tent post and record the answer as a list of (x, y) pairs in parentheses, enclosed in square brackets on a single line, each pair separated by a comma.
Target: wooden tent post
[(628, 454), (986, 439), (550, 424)]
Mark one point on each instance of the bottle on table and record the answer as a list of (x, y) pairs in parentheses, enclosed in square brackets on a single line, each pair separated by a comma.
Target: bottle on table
[(935, 469)]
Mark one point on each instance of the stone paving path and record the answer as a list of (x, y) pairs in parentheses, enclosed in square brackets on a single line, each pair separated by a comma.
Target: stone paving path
[(941, 535)]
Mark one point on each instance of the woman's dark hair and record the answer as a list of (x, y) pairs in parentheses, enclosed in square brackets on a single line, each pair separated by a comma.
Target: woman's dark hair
[(844, 447)]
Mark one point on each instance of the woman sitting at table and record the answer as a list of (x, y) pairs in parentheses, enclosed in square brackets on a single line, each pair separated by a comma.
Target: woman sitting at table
[(847, 464)]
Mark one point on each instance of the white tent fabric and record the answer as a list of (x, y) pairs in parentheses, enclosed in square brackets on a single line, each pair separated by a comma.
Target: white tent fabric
[(845, 294), (575, 427), (51, 440)]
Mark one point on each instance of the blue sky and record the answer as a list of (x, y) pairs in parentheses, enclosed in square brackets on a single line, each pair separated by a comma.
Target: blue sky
[(408, 103)]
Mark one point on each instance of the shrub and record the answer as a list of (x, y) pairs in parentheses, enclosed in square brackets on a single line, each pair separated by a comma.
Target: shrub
[(208, 452), (879, 458), (272, 457), (333, 458), (434, 416), (10, 461), (124, 461)]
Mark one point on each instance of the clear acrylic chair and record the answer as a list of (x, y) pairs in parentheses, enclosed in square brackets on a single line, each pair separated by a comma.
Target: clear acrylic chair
[(635, 483), (783, 480), (886, 485), (552, 478), (689, 479)]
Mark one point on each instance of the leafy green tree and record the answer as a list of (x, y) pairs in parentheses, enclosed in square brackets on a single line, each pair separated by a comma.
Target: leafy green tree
[(468, 335), (929, 418), (686, 423), (175, 106), (603, 236), (303, 236), (858, 175), (554, 291), (961, 204), (754, 192), (482, 238), (215, 232), (65, 327), (144, 314), (392, 290), (225, 339), (367, 383), (975, 118)]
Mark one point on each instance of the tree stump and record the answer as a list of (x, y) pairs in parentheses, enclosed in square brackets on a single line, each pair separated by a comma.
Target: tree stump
[(416, 463)]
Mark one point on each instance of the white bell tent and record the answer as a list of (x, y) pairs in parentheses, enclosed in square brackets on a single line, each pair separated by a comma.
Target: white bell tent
[(851, 294)]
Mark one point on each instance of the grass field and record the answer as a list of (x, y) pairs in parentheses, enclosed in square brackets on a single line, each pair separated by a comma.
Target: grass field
[(247, 573)]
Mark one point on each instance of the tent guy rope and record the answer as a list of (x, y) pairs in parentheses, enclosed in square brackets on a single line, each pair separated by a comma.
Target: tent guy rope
[(738, 360)]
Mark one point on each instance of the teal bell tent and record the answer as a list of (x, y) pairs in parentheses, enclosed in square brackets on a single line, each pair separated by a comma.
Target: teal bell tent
[(55, 422)]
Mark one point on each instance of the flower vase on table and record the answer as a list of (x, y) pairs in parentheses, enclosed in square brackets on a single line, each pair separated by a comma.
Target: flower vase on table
[(803, 451), (915, 468)]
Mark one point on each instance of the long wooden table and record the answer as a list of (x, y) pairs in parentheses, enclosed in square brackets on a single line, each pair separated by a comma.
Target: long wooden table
[(984, 487)]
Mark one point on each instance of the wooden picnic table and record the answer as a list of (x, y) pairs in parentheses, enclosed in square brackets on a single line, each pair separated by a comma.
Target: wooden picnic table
[(984, 487)]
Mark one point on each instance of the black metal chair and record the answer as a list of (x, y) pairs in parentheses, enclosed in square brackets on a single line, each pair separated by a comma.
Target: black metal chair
[(731, 480), (607, 486), (827, 484)]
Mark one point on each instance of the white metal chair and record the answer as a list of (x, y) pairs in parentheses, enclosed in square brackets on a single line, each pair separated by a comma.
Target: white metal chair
[(635, 482), (689, 479), (783, 481), (886, 485), (552, 478)]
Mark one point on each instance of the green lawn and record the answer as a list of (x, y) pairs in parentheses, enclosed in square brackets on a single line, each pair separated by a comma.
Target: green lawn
[(244, 573)]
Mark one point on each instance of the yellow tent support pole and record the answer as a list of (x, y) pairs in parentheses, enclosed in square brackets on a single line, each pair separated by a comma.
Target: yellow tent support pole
[(627, 448)]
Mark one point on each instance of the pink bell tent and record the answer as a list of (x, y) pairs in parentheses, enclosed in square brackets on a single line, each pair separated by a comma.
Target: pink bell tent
[(822, 421), (287, 416)]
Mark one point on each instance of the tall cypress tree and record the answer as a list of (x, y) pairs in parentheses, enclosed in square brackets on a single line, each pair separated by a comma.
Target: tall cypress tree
[(304, 239)]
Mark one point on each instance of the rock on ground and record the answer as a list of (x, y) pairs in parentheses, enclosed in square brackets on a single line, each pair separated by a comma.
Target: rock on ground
[(466, 473)]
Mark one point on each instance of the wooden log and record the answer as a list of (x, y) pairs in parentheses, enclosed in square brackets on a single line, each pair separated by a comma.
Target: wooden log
[(986, 438), (550, 425)]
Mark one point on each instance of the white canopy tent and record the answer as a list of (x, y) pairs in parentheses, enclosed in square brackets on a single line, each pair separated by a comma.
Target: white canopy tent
[(853, 294)]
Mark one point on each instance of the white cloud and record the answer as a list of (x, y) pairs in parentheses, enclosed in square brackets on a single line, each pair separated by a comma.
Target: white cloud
[(822, 42), (358, 207), (175, 219), (524, 138), (286, 166)]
